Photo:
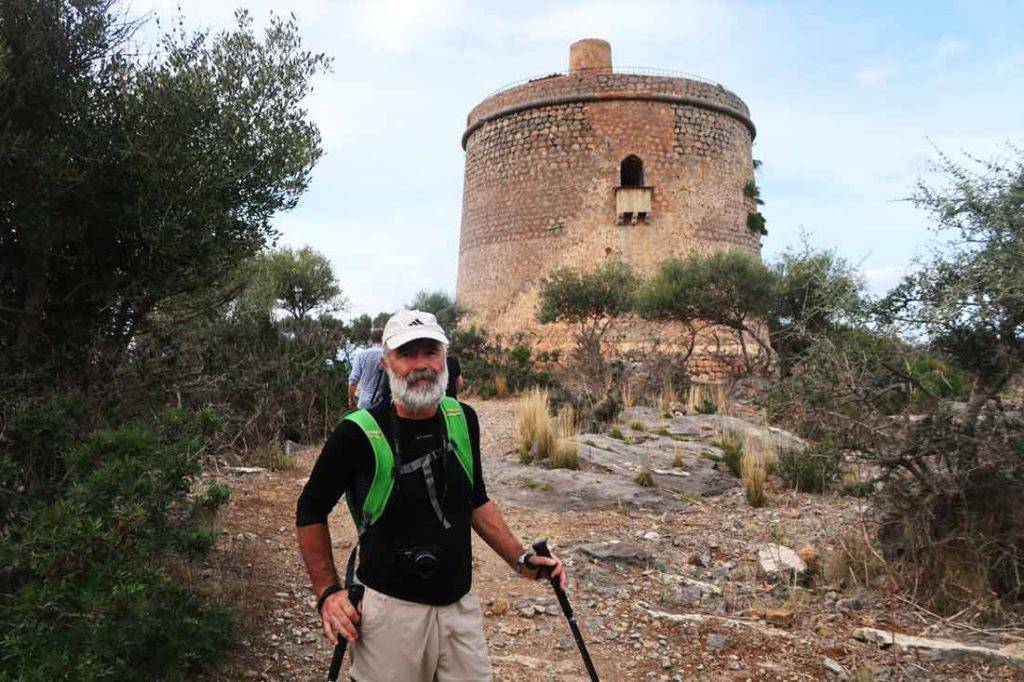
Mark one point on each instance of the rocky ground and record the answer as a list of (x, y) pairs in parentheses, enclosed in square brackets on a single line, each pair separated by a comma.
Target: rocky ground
[(676, 581)]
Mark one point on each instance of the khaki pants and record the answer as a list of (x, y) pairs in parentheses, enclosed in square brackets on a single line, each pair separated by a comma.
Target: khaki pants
[(406, 641)]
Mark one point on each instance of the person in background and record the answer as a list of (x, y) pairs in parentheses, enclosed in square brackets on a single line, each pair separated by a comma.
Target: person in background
[(367, 373), (455, 380)]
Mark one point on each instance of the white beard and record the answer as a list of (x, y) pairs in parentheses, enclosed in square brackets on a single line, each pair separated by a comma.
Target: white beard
[(422, 397)]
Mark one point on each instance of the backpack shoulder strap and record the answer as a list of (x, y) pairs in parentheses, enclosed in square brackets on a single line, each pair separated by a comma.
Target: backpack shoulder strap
[(384, 463), (458, 433)]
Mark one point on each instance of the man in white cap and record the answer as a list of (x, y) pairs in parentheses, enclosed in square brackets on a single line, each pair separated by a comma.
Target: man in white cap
[(414, 485)]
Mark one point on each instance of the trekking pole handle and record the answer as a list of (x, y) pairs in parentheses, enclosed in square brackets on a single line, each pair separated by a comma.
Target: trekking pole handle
[(540, 548), (355, 596)]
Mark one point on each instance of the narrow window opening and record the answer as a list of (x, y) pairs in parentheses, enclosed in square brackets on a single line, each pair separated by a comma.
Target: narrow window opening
[(631, 172)]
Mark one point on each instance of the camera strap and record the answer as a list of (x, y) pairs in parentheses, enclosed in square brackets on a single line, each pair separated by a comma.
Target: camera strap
[(424, 463)]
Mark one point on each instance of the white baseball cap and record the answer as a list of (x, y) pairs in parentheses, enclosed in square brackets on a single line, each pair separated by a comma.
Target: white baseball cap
[(409, 325)]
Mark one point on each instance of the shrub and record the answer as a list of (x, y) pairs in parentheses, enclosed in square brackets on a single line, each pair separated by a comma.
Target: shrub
[(957, 527), (39, 433), (811, 470), (104, 553), (731, 444), (499, 366), (637, 426), (607, 409), (616, 433)]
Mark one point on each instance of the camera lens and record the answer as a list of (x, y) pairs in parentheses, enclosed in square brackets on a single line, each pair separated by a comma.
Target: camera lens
[(425, 563)]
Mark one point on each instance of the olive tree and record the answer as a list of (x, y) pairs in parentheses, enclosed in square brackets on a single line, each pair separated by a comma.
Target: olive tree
[(968, 298), (731, 289), (129, 180), (590, 302)]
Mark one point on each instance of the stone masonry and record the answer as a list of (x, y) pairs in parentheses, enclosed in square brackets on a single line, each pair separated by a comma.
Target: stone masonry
[(542, 167)]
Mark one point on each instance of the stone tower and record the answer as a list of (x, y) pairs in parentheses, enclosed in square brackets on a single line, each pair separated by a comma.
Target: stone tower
[(566, 169)]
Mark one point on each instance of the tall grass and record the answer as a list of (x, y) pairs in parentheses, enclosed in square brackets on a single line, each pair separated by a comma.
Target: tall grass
[(753, 472), (764, 450), (566, 451), (732, 445), (535, 437), (644, 477), (665, 400), (500, 385), (539, 436), (628, 395), (704, 398)]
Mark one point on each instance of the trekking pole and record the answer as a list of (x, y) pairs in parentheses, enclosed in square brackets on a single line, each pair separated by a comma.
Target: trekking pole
[(541, 549), (355, 595)]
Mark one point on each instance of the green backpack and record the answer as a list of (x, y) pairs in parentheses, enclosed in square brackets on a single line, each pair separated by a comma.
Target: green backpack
[(384, 459)]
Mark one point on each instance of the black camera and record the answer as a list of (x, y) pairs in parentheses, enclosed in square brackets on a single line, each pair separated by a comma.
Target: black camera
[(422, 562)]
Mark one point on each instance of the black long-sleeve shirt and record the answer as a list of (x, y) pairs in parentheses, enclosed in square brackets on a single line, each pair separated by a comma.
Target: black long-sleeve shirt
[(409, 521)]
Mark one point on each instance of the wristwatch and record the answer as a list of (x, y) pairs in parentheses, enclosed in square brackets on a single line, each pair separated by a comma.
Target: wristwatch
[(524, 561), (328, 591)]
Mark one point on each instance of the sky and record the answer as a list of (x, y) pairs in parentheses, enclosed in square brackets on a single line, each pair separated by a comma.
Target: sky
[(852, 102)]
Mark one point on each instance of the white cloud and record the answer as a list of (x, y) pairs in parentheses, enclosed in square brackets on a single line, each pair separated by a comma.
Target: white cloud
[(881, 280), (949, 47), (874, 75), (654, 20), (400, 26)]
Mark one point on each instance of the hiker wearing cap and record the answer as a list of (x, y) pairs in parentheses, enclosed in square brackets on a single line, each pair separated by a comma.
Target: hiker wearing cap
[(367, 375), (412, 477)]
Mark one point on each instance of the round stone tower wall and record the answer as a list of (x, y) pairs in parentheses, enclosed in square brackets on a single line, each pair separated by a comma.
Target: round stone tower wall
[(542, 184)]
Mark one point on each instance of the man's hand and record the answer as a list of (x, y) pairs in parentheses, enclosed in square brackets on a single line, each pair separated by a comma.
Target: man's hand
[(546, 567), (340, 617)]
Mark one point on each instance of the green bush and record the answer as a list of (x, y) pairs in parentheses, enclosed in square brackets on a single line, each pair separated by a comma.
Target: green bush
[(41, 431), (92, 590), (811, 470), (483, 359)]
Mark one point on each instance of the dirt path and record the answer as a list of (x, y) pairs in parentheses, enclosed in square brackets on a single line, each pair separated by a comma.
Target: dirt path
[(697, 557)]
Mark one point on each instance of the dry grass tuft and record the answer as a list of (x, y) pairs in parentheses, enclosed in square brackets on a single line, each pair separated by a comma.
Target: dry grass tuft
[(500, 385), (273, 456), (855, 562), (535, 436), (764, 450), (566, 451), (677, 457), (704, 398), (644, 478), (753, 472), (665, 400), (628, 396)]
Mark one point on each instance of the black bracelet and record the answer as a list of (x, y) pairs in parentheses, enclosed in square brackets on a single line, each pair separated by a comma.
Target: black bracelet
[(331, 589)]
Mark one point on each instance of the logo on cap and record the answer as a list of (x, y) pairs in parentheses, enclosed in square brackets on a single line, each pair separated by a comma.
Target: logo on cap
[(416, 323)]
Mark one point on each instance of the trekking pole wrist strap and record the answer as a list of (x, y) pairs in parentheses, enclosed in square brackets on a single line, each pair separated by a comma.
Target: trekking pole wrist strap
[(328, 591)]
